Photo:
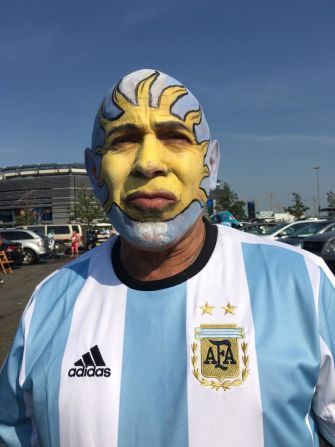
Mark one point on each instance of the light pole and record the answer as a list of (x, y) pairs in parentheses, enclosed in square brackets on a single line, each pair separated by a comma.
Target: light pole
[(75, 197), (314, 205), (271, 196), (317, 168)]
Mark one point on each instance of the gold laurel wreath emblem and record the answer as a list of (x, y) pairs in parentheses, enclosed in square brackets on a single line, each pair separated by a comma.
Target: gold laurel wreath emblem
[(216, 384)]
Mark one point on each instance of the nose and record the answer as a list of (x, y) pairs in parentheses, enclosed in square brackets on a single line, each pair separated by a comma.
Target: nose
[(148, 162)]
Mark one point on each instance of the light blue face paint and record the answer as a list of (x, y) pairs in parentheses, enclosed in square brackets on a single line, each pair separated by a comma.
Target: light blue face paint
[(151, 235)]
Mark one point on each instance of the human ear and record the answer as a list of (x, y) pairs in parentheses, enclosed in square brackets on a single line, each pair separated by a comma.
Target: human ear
[(214, 161)]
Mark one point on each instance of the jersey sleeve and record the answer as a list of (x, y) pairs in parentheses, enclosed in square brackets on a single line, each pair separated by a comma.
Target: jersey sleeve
[(16, 416), (324, 398)]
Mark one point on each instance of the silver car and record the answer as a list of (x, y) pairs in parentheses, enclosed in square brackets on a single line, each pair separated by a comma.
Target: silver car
[(322, 245), (310, 229), (34, 246), (285, 229)]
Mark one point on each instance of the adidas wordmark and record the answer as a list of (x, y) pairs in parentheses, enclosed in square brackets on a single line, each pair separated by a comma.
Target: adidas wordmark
[(90, 365)]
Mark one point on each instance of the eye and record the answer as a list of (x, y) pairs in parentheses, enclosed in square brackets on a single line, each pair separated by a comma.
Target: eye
[(175, 137)]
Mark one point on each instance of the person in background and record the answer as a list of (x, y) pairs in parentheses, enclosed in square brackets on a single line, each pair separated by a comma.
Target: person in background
[(112, 231), (95, 234), (75, 239), (51, 240)]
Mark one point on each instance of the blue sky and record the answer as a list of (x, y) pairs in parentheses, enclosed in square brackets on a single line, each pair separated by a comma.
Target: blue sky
[(263, 71)]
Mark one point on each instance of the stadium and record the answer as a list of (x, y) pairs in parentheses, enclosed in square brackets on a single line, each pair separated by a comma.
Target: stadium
[(47, 190)]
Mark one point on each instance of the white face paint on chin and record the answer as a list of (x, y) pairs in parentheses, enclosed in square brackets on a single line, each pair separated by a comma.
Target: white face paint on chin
[(155, 235)]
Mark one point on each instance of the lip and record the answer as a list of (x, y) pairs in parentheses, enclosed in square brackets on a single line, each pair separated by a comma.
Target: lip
[(152, 200)]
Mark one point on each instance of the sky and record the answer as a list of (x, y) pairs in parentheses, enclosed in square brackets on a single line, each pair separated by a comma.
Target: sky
[(262, 70)]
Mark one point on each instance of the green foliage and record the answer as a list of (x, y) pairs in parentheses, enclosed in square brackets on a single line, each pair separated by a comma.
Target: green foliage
[(331, 202), (229, 201), (298, 208), (86, 209)]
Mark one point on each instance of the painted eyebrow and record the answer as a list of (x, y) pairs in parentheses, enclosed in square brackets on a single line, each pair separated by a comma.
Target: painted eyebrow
[(124, 128), (171, 125)]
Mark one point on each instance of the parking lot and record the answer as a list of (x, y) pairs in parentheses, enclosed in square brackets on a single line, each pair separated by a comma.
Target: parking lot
[(15, 293)]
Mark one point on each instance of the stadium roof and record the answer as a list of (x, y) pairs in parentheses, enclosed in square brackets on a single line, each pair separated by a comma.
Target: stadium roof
[(42, 169)]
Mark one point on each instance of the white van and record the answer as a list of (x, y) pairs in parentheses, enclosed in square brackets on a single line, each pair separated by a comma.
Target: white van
[(105, 231), (63, 232)]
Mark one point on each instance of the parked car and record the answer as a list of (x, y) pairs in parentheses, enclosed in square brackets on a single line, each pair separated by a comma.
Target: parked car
[(322, 245), (62, 232), (318, 227), (287, 228), (13, 251), (260, 228), (96, 236), (34, 246), (104, 231)]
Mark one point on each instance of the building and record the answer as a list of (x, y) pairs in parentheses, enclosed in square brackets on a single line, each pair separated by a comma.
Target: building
[(46, 190)]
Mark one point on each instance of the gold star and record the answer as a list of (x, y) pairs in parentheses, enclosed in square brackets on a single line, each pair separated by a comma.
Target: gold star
[(207, 309), (229, 309)]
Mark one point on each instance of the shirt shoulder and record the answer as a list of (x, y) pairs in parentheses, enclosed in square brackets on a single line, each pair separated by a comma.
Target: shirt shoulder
[(65, 284), (285, 250)]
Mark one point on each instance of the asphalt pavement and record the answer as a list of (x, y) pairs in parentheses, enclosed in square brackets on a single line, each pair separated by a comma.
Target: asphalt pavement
[(15, 293)]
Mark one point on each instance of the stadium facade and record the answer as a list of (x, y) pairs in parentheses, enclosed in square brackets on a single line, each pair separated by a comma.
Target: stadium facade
[(48, 190)]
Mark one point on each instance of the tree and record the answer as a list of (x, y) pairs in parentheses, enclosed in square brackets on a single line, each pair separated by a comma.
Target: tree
[(298, 208), (86, 209), (228, 201), (331, 202)]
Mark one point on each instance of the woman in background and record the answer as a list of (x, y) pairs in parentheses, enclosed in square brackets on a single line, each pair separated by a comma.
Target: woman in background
[(75, 239)]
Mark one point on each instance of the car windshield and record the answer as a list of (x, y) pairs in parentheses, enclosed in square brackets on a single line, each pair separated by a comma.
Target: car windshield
[(257, 228), (309, 229), (272, 230)]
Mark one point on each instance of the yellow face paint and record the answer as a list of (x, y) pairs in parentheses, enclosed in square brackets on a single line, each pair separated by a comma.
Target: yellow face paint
[(152, 163)]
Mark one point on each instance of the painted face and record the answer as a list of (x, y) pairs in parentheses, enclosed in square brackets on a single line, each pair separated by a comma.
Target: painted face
[(151, 161)]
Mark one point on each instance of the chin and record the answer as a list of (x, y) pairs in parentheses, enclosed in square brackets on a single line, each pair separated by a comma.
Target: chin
[(155, 235)]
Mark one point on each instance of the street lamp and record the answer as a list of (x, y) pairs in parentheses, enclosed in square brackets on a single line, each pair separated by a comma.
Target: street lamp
[(317, 168), (271, 196), (75, 197)]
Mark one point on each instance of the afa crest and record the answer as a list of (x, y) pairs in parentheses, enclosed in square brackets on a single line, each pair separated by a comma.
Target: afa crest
[(219, 356)]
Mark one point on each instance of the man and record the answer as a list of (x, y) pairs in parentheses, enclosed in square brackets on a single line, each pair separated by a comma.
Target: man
[(176, 333), (51, 240)]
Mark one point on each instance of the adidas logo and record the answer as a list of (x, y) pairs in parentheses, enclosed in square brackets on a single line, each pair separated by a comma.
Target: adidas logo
[(91, 364)]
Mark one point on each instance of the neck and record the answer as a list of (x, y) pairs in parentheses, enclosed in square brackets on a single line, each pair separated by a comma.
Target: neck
[(150, 265)]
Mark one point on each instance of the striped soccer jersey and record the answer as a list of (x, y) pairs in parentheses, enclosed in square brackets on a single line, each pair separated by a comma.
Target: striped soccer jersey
[(237, 350)]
